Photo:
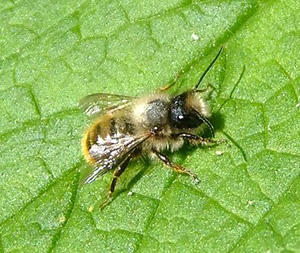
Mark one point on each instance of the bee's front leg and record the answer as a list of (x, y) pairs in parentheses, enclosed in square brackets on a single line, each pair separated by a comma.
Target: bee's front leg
[(118, 172), (176, 167), (208, 87), (169, 85), (196, 140)]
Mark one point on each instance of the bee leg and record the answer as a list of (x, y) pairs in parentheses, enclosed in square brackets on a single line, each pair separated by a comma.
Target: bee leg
[(168, 86), (208, 87), (118, 172), (176, 167), (196, 140)]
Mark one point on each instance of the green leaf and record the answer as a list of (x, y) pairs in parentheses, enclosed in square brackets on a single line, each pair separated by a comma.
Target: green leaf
[(53, 53)]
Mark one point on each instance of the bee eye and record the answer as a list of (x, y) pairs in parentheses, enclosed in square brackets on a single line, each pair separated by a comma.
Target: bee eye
[(181, 115)]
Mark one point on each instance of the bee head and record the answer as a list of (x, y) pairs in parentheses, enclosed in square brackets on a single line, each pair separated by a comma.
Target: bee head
[(189, 110)]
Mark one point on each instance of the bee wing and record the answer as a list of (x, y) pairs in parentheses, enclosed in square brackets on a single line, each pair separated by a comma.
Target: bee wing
[(98, 103), (111, 153)]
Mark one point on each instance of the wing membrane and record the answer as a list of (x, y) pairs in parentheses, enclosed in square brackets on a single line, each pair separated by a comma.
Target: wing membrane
[(96, 104), (112, 152)]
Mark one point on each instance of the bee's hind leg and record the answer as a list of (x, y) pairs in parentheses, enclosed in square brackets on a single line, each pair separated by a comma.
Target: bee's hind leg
[(176, 167), (118, 172)]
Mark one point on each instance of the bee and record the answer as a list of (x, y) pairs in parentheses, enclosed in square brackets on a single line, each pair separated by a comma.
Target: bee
[(126, 127)]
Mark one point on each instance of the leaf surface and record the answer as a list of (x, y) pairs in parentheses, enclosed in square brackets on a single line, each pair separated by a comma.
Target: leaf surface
[(53, 54)]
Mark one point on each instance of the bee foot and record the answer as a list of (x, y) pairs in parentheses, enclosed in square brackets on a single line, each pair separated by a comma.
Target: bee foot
[(221, 141), (105, 203)]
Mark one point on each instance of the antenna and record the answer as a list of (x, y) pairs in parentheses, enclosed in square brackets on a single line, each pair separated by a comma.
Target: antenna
[(207, 122), (208, 68)]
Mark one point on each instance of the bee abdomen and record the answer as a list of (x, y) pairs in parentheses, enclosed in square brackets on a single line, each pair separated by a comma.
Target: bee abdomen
[(113, 127), (88, 140)]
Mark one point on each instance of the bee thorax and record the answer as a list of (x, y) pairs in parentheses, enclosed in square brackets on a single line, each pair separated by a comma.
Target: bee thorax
[(153, 114)]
